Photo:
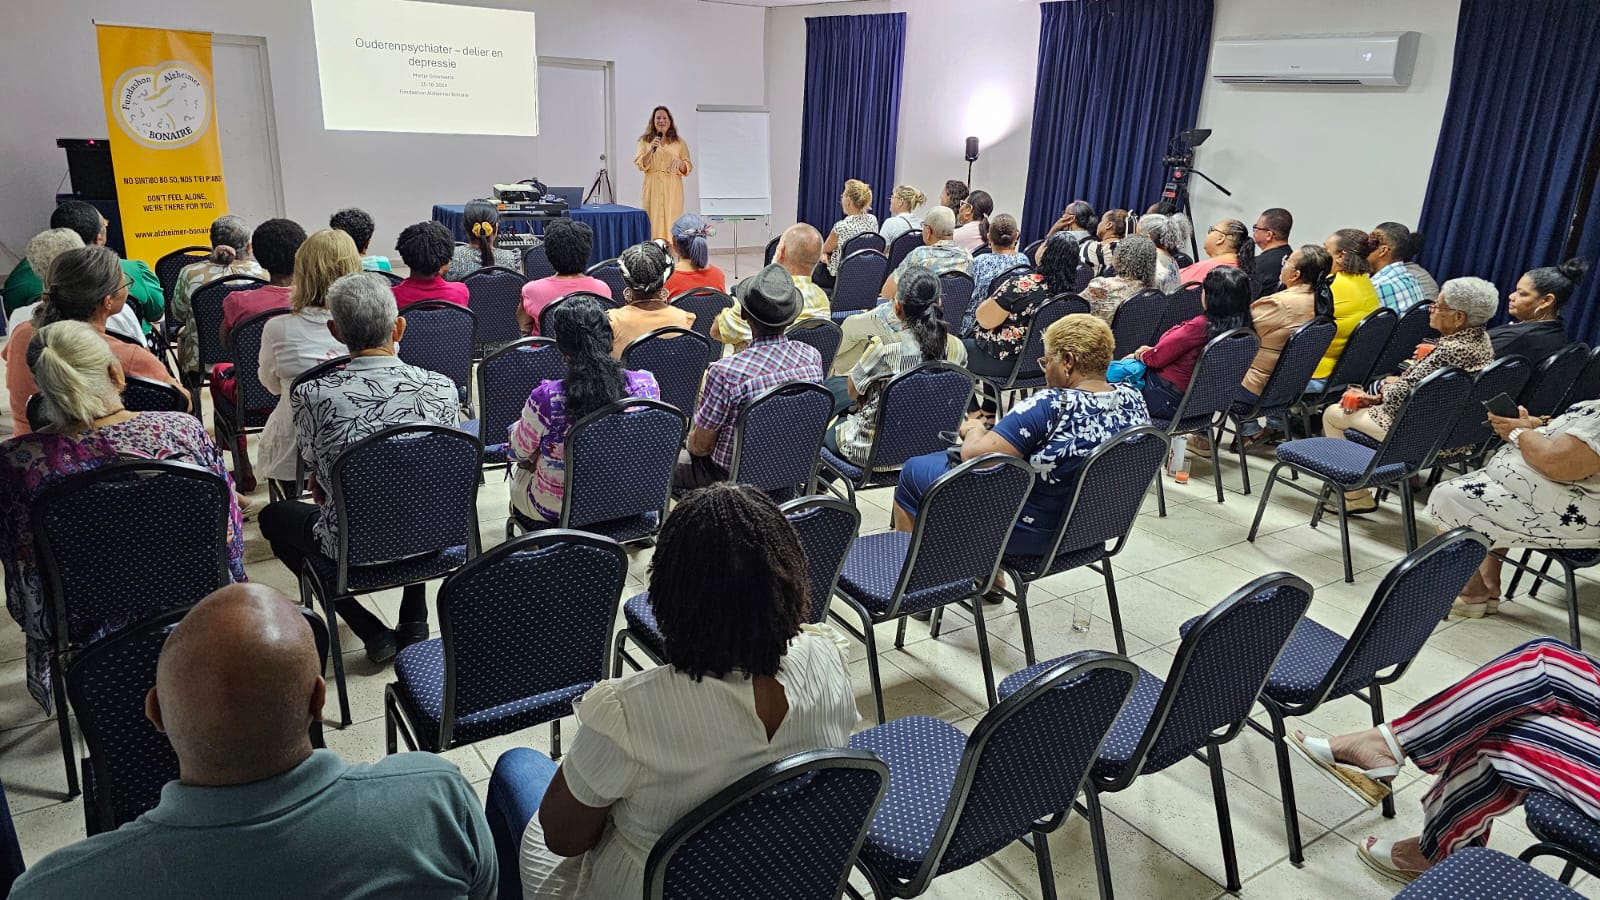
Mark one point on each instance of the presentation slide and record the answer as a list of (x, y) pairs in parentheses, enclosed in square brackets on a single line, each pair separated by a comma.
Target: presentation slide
[(428, 68)]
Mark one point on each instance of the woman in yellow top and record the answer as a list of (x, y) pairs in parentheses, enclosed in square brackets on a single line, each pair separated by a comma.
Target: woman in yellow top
[(663, 157), (1354, 297)]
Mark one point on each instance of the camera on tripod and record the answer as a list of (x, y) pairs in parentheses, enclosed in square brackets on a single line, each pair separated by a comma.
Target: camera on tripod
[(1181, 151)]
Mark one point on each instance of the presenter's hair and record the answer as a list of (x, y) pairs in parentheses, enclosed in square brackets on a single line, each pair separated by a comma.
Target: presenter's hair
[(1003, 230), (275, 243), (357, 224), (425, 247), (483, 225), (72, 365), (689, 236), (858, 193), (567, 245), (229, 238), (80, 280), (80, 217), (650, 126), (324, 258)]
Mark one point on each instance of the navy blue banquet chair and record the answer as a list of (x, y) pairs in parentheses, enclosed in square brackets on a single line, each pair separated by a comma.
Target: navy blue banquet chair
[(1564, 831), (1553, 378), (634, 436), (955, 800), (1082, 277), (439, 338), (821, 334), (1287, 383), (1111, 486), (326, 367), (1217, 673), (1182, 305), (505, 379), (252, 402), (1412, 329), (827, 528), (1587, 385), (955, 296), (1420, 426), (860, 279), (777, 437), (787, 831), (1213, 387), (867, 240), (1355, 365), (544, 314), (1472, 434), (167, 270), (206, 304), (902, 247), (610, 271), (677, 357), (494, 294), (1478, 873), (141, 394), (771, 252), (524, 630), (388, 276), (915, 406), (1570, 561), (1134, 322), (94, 580), (1318, 665), (536, 263), (1025, 372), (706, 303), (1032, 249), (950, 555), (405, 505)]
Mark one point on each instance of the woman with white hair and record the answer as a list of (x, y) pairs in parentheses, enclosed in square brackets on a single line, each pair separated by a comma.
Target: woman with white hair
[(1463, 307), (904, 201), (43, 248), (230, 255), (1168, 233), (1135, 265)]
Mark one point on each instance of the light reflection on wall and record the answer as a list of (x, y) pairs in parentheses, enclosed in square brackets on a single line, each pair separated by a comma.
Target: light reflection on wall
[(991, 115)]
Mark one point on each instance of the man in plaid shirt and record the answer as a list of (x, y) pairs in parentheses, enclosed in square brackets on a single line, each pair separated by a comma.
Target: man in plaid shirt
[(769, 302), (1397, 288)]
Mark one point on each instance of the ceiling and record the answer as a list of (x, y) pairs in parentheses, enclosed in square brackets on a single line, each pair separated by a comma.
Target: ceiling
[(776, 2)]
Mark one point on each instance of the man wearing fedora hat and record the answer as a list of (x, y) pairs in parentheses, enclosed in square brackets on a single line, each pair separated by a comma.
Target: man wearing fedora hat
[(768, 302)]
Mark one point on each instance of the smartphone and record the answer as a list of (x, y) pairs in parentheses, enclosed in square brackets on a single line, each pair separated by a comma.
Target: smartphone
[(1501, 405)]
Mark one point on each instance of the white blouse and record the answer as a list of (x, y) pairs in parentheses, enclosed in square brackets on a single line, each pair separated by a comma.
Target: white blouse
[(290, 345)]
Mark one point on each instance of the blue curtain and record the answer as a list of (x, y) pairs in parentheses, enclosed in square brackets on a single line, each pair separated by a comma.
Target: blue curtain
[(1117, 80), (1583, 310), (851, 120), (1518, 125)]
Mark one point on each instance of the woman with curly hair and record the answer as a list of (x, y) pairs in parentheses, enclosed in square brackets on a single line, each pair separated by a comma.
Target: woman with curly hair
[(745, 684), (427, 248)]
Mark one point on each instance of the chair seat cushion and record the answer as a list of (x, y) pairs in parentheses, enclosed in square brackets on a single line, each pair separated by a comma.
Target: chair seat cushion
[(1188, 425), (641, 621), (631, 528), (1478, 873), (365, 579), (1578, 559), (1336, 460), (1124, 738), (854, 472), (923, 755), (872, 569), (419, 682), (1555, 820), (1028, 567)]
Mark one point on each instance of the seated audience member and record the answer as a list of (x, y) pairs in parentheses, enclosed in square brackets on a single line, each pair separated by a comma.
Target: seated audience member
[(1307, 294), (594, 379), (1001, 326), (375, 391), (86, 285), (644, 270), (238, 685), (797, 254), (231, 254), (1227, 243), (567, 244), (146, 299), (972, 231), (1170, 364), (1168, 234), (1113, 228), (1521, 722), (1464, 305), (483, 228), (359, 225), (1134, 265), (769, 303), (955, 191), (939, 252), (903, 216), (1537, 329), (856, 201), (1271, 236), (42, 250), (1430, 288), (1055, 430), (427, 250), (1397, 288), (292, 344), (1076, 219), (884, 325), (1354, 297), (80, 388), (1003, 233), (745, 684), (693, 268), (916, 335)]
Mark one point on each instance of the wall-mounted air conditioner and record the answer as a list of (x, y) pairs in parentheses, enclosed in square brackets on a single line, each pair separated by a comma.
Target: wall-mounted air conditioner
[(1353, 59)]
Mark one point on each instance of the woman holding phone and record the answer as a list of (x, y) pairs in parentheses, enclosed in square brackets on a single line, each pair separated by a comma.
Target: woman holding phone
[(663, 157)]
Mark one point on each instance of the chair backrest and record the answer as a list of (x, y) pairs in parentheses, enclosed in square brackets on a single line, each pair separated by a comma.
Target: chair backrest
[(1111, 486), (141, 394), (325, 367), (955, 296), (902, 247), (1135, 320), (982, 250), (915, 406), (1411, 330), (1217, 374), (821, 334), (610, 271), (536, 263), (861, 277), (1219, 670), (961, 530), (244, 345), (439, 338), (790, 829), (389, 276), (544, 314), (494, 294), (827, 527), (1423, 422), (1082, 277), (1587, 385), (206, 302), (1506, 375), (530, 616), (93, 575), (1182, 305), (405, 491), (867, 240), (1052, 311), (1357, 361), (1028, 757), (170, 265), (505, 379), (1032, 248), (677, 357), (777, 436), (771, 251), (618, 461), (1297, 361), (706, 303), (1553, 378)]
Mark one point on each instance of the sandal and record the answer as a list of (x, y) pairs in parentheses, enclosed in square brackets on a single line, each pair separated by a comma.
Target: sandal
[(1380, 859), (1351, 509), (1468, 610), (1370, 786)]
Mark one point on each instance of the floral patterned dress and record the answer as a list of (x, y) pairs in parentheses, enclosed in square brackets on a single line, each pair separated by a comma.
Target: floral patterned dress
[(1020, 297), (33, 462), (538, 439)]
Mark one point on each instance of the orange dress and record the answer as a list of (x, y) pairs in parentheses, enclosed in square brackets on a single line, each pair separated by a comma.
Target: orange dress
[(663, 185)]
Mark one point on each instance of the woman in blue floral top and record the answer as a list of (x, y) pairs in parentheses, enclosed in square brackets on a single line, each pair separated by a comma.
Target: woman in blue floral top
[(1002, 327)]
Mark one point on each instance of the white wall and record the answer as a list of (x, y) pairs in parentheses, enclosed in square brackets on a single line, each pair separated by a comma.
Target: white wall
[(663, 50)]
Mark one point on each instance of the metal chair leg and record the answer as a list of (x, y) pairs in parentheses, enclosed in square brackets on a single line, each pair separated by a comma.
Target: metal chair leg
[(983, 651), (1516, 574), (1572, 604), (1344, 536), (1022, 617), (1219, 795), (1408, 513), (1533, 588), (1116, 610), (1291, 815), (1161, 497), (1244, 467), (869, 637), (1215, 434), (1047, 873), (555, 738), (1261, 507), (1097, 838), (69, 751), (1375, 704)]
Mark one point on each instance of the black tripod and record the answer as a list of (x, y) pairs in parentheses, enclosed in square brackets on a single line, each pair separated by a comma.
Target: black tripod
[(1176, 192), (604, 178)]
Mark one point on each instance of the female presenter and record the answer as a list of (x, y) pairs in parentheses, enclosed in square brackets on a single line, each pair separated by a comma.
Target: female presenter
[(663, 157)]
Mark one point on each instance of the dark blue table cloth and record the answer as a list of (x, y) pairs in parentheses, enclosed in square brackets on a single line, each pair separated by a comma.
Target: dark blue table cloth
[(615, 227)]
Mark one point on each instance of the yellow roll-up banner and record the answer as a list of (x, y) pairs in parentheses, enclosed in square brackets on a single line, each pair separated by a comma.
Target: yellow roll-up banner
[(161, 113)]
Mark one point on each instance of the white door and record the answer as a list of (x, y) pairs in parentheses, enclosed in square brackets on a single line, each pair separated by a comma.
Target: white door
[(247, 127), (574, 122)]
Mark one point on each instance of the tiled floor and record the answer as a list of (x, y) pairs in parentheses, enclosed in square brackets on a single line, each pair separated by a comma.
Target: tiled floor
[(1163, 836)]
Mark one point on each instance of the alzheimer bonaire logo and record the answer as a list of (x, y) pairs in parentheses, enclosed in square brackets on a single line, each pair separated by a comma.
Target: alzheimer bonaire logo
[(164, 106)]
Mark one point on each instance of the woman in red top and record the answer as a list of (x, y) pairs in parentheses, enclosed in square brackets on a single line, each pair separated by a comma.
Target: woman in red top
[(693, 268), (1225, 297), (427, 248)]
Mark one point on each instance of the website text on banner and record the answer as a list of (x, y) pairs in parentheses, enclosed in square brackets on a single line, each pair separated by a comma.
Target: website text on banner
[(161, 113)]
